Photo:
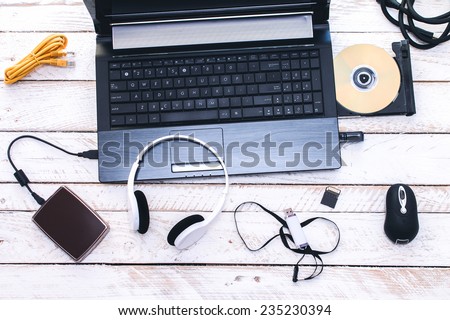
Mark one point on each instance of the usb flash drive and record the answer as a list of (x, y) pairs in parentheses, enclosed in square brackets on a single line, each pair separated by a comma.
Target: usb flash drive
[(295, 229)]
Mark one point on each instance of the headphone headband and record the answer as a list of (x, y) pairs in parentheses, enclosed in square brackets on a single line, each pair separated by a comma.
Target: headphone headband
[(133, 206)]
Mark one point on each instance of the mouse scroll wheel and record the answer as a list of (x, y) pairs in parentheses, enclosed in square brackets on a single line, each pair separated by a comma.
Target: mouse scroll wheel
[(402, 199)]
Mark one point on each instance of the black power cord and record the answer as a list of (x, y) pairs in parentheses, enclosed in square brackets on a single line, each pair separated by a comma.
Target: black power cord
[(422, 39), (21, 176)]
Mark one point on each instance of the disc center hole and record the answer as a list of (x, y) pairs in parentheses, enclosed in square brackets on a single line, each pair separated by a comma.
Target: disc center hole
[(364, 78)]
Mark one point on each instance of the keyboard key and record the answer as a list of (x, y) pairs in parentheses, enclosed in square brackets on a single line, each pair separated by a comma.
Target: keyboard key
[(236, 113), (138, 74), (118, 86), (242, 67), (318, 103), (277, 99), (153, 107), (270, 88), (165, 106), (285, 65), (253, 112), (308, 109), (262, 100), (247, 101), (260, 78), (200, 104), (188, 104), (315, 80), (307, 97), (273, 76), (269, 65), (314, 53), (224, 102), (177, 105), (212, 103), (119, 97), (147, 96), (298, 109), (126, 74), (117, 120), (236, 102), (314, 63), (130, 119), (289, 110), (268, 111), (142, 107), (304, 63), (135, 96), (144, 85), (224, 114), (114, 65), (142, 119), (114, 75), (153, 118), (189, 116)]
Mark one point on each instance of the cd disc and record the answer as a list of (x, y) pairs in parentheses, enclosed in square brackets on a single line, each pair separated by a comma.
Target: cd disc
[(367, 78)]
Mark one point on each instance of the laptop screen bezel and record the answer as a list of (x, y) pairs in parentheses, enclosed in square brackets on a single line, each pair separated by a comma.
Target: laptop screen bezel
[(105, 13)]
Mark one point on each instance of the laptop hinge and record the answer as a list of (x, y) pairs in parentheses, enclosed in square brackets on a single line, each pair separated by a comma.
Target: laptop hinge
[(212, 30)]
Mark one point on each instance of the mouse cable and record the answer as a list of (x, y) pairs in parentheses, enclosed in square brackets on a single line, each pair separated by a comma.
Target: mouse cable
[(426, 39), (21, 176), (47, 52)]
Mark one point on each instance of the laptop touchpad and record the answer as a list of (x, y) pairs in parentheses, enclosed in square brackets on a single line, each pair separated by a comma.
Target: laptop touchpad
[(188, 156)]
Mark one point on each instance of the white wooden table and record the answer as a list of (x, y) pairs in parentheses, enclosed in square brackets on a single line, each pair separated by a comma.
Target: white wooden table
[(60, 105)]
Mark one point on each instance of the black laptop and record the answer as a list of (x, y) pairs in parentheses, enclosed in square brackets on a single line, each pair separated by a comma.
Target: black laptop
[(254, 79)]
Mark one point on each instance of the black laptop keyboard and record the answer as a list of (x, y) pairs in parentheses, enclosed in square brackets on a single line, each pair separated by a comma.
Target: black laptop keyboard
[(215, 88)]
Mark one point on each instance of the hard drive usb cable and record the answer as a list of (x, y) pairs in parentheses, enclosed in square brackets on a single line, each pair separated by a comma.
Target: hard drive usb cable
[(21, 176)]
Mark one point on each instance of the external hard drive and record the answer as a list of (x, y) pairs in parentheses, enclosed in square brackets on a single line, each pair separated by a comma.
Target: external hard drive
[(71, 224)]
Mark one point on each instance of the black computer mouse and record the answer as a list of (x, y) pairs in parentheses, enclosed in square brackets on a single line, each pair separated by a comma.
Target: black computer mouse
[(401, 224)]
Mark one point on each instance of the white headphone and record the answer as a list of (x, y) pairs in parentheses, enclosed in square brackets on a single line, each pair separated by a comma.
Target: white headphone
[(190, 229)]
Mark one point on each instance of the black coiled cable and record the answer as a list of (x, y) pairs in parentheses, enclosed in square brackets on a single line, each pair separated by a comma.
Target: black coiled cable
[(422, 39)]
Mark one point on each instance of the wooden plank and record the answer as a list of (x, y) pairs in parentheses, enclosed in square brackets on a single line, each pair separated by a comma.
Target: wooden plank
[(221, 283), (45, 17), (425, 66), (363, 242), (75, 104), (185, 197), (413, 159)]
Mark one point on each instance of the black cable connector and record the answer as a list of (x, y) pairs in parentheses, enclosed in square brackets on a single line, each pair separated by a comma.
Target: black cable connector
[(354, 136), (22, 178), (89, 154), (295, 275)]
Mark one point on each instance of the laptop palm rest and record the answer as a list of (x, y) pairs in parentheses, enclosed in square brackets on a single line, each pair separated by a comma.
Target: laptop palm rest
[(187, 156)]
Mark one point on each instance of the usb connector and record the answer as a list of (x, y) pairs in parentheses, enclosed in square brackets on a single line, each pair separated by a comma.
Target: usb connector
[(289, 212), (295, 229)]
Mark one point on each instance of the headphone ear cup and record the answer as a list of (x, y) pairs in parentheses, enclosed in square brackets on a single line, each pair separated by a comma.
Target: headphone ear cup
[(144, 215), (181, 226)]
